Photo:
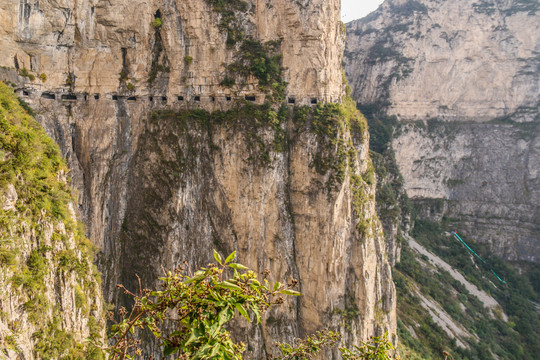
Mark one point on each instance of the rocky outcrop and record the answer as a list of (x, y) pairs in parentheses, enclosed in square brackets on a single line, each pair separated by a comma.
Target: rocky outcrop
[(198, 184), (462, 79), (458, 60), (486, 173), (51, 300), (161, 180), (95, 47)]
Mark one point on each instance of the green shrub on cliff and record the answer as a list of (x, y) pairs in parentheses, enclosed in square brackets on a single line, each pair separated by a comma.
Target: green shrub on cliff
[(202, 303), (157, 23), (30, 160), (35, 223)]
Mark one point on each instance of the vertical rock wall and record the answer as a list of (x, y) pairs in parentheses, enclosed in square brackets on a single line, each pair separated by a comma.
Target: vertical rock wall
[(197, 186), (463, 80), (161, 182), (98, 47)]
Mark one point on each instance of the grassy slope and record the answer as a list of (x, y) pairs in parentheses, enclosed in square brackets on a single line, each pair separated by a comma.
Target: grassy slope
[(517, 338), (31, 163)]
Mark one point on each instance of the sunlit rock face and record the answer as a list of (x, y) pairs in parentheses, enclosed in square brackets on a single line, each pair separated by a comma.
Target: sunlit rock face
[(463, 80), (100, 47), (160, 183)]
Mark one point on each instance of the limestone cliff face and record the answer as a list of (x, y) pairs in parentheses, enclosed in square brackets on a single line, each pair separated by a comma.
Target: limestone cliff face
[(467, 74), (87, 45), (162, 181), (197, 186), (456, 60)]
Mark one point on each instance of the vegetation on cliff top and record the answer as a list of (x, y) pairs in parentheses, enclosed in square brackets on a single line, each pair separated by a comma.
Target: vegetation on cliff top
[(253, 58), (337, 127), (39, 239)]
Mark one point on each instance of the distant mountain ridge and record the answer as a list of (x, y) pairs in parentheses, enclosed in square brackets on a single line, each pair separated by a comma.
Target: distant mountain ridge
[(462, 79)]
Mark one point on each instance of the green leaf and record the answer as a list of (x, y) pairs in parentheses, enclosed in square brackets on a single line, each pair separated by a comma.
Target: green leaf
[(257, 289), (228, 285), (257, 312), (168, 349), (212, 330), (193, 338), (225, 315), (215, 350), (242, 311), (217, 257), (277, 285), (198, 331), (230, 257), (203, 350), (237, 266), (217, 296), (175, 333), (195, 278), (290, 292)]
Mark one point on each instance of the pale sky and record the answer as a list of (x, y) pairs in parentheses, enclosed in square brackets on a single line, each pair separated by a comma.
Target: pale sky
[(356, 9)]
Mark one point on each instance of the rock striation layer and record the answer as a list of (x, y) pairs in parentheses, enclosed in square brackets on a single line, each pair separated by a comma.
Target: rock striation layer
[(94, 47), (463, 80)]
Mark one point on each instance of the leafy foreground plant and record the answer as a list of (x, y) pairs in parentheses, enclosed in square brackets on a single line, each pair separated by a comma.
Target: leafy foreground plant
[(201, 304), (378, 347)]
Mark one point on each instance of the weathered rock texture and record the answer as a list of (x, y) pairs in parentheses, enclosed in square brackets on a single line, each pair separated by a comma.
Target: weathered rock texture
[(162, 188), (158, 190), (209, 185), (51, 299), (86, 45), (63, 309), (468, 74)]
